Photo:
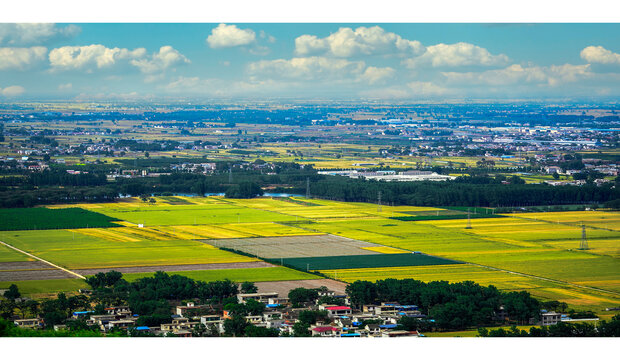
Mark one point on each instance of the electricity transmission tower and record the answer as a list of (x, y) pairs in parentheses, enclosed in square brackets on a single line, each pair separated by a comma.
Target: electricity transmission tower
[(307, 188), (230, 175), (584, 240), (379, 202), (468, 220)]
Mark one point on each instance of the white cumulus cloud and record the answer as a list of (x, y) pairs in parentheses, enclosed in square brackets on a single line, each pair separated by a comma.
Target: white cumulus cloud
[(160, 61), (518, 74), (454, 55), (21, 58), (315, 67), (35, 34), (230, 35), (90, 56), (11, 91), (347, 42), (599, 55), (319, 68), (374, 75)]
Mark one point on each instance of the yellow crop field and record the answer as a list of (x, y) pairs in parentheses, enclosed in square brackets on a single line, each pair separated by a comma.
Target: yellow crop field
[(268, 229), (600, 219), (105, 234), (207, 232), (98, 248), (385, 250)]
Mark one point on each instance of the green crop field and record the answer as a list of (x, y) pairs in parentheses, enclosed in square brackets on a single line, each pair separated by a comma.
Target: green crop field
[(444, 217), (75, 250), (237, 275), (363, 261), (192, 214), (31, 287), (43, 218), (9, 255)]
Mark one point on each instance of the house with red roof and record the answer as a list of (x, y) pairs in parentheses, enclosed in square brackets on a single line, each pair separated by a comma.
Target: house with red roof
[(335, 311), (326, 331)]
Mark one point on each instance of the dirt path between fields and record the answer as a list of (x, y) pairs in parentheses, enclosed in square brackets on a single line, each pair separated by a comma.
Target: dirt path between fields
[(45, 261)]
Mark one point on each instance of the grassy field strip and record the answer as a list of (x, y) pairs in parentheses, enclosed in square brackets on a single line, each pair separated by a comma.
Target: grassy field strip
[(45, 261), (44, 288), (548, 279), (238, 275), (574, 219)]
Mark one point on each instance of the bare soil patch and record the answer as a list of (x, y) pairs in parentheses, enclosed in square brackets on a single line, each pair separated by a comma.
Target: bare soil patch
[(23, 265), (34, 275), (283, 287)]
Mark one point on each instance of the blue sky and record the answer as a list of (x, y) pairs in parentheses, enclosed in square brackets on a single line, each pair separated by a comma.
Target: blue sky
[(388, 62)]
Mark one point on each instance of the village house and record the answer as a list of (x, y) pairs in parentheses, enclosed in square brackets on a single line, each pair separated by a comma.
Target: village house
[(550, 318), (121, 324), (190, 309), (278, 301), (211, 321), (178, 325), (333, 311), (35, 323), (326, 331), (373, 329), (262, 297), (400, 333)]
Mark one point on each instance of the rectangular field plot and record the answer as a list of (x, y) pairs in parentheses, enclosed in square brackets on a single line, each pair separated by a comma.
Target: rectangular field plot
[(237, 275), (364, 261), (266, 229), (219, 213), (44, 218), (78, 250), (412, 236), (602, 219), (45, 287), (10, 255), (296, 246)]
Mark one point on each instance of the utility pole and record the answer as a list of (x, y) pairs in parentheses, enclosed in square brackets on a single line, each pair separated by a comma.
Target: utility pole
[(584, 240), (379, 202)]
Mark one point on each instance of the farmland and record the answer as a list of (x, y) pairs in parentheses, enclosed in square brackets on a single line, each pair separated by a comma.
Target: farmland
[(43, 218), (297, 246), (237, 275), (364, 261), (80, 250), (536, 252)]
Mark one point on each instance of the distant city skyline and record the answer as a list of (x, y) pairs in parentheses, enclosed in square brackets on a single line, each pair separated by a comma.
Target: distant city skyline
[(386, 62)]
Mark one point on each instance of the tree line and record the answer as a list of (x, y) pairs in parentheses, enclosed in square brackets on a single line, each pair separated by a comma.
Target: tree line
[(452, 306), (471, 191)]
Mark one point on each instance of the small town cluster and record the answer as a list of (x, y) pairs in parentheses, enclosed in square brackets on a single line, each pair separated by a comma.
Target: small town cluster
[(333, 320)]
